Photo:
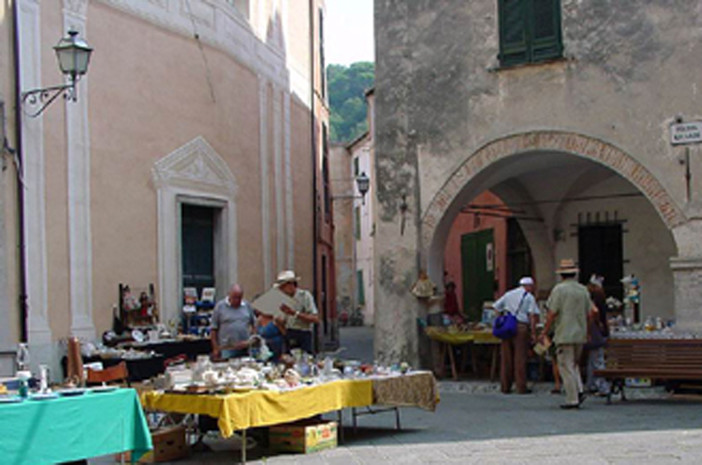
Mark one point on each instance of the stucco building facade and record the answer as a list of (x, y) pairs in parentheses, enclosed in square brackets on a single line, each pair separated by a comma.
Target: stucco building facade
[(560, 108), (212, 107), (354, 225)]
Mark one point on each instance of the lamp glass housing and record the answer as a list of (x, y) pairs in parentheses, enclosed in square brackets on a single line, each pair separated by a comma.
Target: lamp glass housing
[(362, 183), (73, 55)]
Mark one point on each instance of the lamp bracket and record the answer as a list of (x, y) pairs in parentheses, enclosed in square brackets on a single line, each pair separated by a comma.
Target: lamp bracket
[(38, 99)]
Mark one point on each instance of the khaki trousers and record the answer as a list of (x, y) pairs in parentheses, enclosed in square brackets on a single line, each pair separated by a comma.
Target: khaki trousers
[(513, 358), (568, 358)]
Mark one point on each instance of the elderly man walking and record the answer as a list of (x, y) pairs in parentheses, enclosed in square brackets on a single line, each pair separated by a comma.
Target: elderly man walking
[(519, 302), (568, 306)]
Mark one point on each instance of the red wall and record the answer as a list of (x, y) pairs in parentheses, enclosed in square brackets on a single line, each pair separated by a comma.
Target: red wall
[(466, 223)]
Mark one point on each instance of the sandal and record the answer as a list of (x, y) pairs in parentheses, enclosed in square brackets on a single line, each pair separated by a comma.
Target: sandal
[(555, 391)]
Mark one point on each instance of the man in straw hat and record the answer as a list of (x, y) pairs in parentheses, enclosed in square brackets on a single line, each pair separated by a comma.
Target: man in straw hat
[(519, 302), (300, 321), (568, 306)]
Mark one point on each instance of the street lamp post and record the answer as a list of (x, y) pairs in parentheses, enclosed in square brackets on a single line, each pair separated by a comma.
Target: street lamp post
[(73, 55), (363, 185)]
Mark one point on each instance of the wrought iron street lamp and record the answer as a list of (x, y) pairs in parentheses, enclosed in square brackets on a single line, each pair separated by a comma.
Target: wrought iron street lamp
[(73, 54), (363, 184)]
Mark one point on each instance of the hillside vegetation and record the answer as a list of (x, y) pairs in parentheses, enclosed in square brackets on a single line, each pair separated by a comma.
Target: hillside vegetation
[(347, 86)]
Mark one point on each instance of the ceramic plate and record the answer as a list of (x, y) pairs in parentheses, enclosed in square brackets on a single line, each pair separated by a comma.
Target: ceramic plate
[(104, 388), (10, 399), (39, 396), (71, 392)]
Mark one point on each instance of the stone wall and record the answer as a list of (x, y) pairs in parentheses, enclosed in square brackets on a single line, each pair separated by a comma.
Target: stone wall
[(447, 116)]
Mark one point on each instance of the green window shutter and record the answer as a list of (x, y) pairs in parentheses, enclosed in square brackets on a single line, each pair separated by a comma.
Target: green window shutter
[(513, 32), (546, 26), (361, 289), (357, 231)]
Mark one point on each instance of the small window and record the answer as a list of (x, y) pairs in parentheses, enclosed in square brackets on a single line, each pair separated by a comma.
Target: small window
[(356, 170), (530, 31), (361, 291), (357, 229)]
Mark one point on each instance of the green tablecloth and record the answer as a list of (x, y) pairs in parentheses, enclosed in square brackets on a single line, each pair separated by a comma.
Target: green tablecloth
[(41, 432)]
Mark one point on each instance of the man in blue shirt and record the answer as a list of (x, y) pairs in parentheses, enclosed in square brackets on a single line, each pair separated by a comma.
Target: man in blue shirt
[(519, 302), (233, 322)]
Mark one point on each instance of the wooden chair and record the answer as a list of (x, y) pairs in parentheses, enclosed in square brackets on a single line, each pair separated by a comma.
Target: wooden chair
[(117, 372)]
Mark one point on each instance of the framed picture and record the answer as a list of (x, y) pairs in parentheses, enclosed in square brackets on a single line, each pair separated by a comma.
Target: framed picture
[(189, 295), (208, 294)]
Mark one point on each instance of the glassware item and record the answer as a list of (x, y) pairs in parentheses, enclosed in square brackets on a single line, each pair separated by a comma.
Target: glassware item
[(44, 378), (22, 356), (24, 377)]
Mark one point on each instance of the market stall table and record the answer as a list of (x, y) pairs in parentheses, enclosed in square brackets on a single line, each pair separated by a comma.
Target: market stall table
[(413, 389), (241, 411), (62, 429), (169, 348), (446, 339), (139, 368)]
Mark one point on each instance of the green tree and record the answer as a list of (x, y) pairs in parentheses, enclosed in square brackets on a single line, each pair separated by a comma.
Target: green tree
[(347, 99)]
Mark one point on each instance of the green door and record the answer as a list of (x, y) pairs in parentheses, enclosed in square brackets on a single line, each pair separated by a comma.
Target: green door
[(478, 264)]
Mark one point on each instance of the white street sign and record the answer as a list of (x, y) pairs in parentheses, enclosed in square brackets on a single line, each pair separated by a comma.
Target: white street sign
[(686, 133)]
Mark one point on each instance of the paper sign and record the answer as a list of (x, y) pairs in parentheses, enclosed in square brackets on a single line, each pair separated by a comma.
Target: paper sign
[(270, 301)]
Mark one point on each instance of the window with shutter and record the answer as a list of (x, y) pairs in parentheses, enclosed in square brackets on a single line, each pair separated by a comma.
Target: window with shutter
[(530, 31)]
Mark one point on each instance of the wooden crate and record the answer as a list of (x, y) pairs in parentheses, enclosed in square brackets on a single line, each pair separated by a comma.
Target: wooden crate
[(169, 444)]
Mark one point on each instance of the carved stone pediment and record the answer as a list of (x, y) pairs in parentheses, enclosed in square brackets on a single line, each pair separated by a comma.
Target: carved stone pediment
[(195, 165), (76, 7)]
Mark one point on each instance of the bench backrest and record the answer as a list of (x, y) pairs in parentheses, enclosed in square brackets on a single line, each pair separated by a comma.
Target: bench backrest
[(654, 353)]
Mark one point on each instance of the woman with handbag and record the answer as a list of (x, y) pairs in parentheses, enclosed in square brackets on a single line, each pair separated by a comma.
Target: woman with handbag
[(598, 331), (520, 303)]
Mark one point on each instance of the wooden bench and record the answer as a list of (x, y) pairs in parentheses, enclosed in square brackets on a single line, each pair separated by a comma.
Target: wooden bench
[(661, 360)]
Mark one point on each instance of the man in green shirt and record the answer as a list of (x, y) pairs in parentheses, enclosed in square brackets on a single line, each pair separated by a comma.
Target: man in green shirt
[(568, 306), (300, 321)]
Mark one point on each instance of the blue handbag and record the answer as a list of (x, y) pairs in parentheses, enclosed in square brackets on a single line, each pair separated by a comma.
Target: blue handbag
[(505, 326)]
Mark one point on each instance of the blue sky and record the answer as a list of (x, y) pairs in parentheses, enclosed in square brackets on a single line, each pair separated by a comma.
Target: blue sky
[(349, 31)]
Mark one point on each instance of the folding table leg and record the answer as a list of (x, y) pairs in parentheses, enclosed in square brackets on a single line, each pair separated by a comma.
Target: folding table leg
[(397, 418), (341, 426), (452, 359), (353, 415), (243, 446)]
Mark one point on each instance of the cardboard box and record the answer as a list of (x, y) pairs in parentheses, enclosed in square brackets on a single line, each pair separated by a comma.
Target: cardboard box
[(169, 444), (303, 437)]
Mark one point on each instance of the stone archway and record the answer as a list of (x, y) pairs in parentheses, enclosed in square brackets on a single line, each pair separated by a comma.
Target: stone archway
[(686, 267), (572, 143)]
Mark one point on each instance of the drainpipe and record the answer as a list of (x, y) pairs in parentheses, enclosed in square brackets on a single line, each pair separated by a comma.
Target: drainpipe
[(20, 187), (313, 145), (313, 141)]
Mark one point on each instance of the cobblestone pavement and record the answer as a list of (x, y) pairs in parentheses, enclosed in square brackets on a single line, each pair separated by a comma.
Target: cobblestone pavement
[(476, 425)]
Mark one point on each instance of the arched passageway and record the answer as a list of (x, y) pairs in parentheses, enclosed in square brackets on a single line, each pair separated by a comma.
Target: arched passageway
[(583, 192)]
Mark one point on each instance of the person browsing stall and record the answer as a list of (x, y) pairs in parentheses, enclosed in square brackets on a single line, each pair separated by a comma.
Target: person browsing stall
[(233, 323), (299, 322), (519, 302), (568, 307)]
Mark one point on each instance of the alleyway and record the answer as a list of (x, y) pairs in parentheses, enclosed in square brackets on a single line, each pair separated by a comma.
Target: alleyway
[(490, 428)]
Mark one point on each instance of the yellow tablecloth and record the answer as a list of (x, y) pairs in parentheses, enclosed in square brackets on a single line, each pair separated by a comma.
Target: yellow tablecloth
[(263, 408), (440, 334)]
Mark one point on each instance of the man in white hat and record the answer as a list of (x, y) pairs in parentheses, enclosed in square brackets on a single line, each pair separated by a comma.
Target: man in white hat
[(300, 321), (568, 307), (519, 302)]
